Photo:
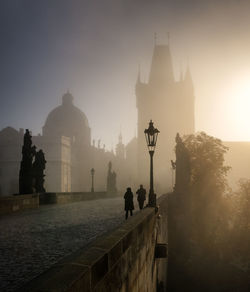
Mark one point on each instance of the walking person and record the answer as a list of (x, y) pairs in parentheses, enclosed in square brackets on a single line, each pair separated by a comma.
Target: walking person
[(129, 204), (141, 196)]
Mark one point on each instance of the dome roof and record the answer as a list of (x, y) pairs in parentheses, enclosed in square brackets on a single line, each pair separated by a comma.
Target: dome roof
[(9, 131), (66, 120)]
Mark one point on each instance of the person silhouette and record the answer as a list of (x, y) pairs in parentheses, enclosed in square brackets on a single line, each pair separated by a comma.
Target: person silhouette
[(129, 204), (141, 196)]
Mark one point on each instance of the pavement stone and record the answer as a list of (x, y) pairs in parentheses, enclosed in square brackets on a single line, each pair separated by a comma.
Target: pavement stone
[(33, 240)]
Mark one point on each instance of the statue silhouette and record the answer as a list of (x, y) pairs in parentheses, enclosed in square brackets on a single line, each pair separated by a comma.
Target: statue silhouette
[(38, 171), (26, 173), (31, 174), (182, 166), (111, 180)]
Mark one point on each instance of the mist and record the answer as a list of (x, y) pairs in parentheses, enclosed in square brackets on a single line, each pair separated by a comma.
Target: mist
[(87, 77), (94, 48)]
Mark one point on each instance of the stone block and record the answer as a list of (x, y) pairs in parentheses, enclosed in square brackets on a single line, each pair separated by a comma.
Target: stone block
[(10, 204), (113, 244), (60, 278), (129, 239), (97, 260), (142, 258), (113, 281), (121, 260)]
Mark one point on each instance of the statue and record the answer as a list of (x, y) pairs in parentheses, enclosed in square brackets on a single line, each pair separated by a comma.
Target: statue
[(26, 173), (111, 180), (182, 166), (38, 171)]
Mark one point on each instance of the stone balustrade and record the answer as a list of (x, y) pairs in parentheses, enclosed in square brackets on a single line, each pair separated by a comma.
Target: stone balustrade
[(121, 260)]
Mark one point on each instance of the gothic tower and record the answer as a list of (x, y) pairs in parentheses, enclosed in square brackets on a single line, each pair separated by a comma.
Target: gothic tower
[(120, 148), (170, 104)]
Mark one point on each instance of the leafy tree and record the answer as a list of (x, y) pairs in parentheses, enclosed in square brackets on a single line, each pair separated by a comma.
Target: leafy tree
[(208, 184), (241, 222), (242, 206)]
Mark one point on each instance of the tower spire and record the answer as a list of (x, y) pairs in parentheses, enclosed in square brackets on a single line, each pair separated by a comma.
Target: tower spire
[(139, 74), (155, 38), (188, 79), (120, 136), (181, 72)]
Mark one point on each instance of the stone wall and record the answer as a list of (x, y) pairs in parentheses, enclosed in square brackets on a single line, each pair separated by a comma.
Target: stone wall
[(64, 198), (122, 260), (10, 204)]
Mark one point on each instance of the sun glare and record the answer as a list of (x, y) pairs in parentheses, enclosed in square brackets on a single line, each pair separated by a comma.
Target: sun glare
[(239, 107)]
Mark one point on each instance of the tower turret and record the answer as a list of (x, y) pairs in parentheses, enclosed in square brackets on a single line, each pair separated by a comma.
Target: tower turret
[(188, 81), (161, 71), (120, 148)]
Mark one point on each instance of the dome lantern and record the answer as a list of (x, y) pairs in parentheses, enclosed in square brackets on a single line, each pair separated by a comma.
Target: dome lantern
[(67, 98)]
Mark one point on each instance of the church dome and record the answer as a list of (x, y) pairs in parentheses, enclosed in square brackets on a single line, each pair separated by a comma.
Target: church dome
[(67, 120)]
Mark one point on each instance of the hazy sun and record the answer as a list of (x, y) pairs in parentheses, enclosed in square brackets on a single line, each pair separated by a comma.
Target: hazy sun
[(238, 94)]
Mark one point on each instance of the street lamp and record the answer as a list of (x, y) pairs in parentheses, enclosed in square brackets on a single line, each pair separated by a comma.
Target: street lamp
[(92, 171), (151, 138)]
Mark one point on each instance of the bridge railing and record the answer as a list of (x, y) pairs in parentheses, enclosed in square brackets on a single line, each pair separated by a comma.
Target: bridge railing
[(121, 260)]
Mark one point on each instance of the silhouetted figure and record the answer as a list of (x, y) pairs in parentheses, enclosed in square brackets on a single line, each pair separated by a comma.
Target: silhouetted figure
[(141, 196), (111, 180), (182, 166), (26, 171), (129, 204), (38, 171)]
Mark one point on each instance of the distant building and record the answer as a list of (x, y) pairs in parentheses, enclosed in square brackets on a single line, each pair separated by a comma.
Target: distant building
[(170, 104), (10, 156), (66, 139), (66, 142)]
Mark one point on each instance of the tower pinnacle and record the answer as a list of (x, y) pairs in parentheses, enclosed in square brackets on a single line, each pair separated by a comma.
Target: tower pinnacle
[(155, 38), (139, 74), (188, 79)]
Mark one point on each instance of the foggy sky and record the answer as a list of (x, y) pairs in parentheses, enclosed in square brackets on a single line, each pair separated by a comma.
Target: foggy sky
[(93, 48)]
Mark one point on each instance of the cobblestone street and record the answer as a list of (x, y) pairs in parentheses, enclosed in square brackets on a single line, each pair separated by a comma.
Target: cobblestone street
[(34, 240)]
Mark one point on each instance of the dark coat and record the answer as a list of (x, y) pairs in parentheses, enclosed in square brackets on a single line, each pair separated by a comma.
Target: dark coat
[(141, 195), (129, 204)]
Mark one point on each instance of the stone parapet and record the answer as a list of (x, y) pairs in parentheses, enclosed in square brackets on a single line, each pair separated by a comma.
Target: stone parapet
[(121, 260), (70, 197), (11, 204)]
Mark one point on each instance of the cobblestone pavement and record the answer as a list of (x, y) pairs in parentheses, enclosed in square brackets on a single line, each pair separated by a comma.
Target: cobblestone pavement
[(34, 240)]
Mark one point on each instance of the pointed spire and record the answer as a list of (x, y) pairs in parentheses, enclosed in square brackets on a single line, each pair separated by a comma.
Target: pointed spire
[(188, 79), (181, 72), (120, 138), (139, 74), (120, 148), (155, 38), (188, 74)]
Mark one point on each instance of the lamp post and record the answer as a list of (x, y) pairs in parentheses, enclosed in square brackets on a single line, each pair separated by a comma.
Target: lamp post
[(151, 138), (92, 171)]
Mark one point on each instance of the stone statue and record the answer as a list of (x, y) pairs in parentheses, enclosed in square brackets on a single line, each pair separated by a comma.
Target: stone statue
[(26, 171), (182, 166), (111, 180), (38, 171)]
